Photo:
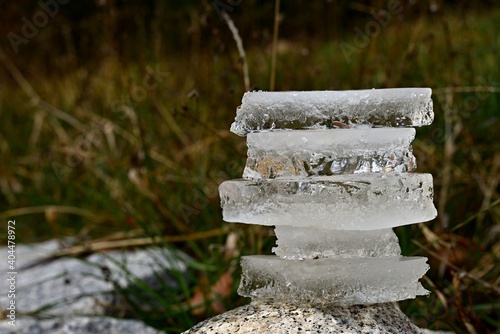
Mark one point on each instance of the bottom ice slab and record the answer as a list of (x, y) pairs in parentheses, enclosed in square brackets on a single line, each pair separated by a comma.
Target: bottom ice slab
[(336, 281), (297, 243)]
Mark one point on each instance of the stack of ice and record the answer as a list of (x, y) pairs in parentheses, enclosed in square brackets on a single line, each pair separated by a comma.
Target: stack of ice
[(333, 172)]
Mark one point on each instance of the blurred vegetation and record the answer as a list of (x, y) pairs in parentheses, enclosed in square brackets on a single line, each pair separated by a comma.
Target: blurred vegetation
[(115, 119)]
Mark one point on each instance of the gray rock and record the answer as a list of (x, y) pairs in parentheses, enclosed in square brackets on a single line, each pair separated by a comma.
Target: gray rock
[(77, 325), (85, 287), (272, 317), (27, 254)]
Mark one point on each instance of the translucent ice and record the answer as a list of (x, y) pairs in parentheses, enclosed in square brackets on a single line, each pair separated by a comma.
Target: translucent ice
[(337, 281), (282, 154), (342, 202), (331, 170), (397, 107), (297, 243)]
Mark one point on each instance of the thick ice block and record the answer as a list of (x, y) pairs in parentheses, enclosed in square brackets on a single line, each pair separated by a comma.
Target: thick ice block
[(336, 281), (285, 153), (397, 107), (341, 202), (297, 243)]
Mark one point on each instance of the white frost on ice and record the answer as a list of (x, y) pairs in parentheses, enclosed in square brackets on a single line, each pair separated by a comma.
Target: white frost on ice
[(396, 107)]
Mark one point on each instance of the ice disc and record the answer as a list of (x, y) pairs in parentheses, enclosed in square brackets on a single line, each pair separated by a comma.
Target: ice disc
[(335, 281), (341, 202), (282, 154), (396, 107), (298, 243)]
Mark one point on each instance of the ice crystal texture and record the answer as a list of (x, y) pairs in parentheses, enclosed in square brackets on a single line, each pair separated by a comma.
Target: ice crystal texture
[(281, 154), (342, 202), (333, 172), (400, 107), (298, 243), (340, 281)]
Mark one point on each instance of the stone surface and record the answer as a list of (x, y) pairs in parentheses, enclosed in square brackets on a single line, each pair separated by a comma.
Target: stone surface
[(397, 107), (342, 202), (284, 154), (77, 325), (283, 318), (341, 281), (85, 286)]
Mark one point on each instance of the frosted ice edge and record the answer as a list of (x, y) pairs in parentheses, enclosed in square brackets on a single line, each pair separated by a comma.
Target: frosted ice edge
[(298, 243), (342, 202), (395, 107), (284, 153), (336, 281)]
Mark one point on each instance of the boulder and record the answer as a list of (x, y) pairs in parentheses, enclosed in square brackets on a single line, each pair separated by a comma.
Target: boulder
[(69, 289), (266, 316), (77, 325)]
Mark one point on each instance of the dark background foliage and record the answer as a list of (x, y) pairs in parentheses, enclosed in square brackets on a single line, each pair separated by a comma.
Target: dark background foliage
[(115, 118)]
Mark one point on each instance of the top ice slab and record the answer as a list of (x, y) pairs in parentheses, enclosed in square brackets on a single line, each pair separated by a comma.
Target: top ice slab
[(395, 107)]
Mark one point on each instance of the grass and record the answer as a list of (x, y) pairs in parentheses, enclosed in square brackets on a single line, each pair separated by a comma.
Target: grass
[(115, 153)]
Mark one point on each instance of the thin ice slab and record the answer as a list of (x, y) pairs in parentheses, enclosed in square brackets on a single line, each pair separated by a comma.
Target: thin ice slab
[(340, 202), (282, 153), (298, 243), (336, 281), (397, 107)]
